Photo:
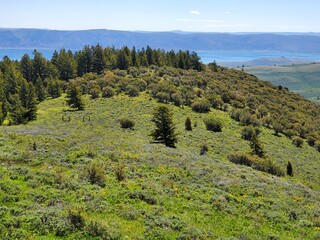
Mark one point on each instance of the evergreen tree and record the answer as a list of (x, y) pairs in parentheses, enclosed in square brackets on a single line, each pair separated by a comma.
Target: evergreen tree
[(53, 88), (256, 146), (165, 129), (188, 125), (66, 65), (26, 67), (98, 63), (74, 97), (289, 169), (40, 90)]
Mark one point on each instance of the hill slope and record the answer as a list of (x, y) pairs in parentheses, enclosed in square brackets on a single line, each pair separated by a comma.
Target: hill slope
[(303, 79), (37, 38), (166, 192)]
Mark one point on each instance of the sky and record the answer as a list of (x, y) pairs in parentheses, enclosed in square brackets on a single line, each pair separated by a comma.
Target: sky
[(164, 15)]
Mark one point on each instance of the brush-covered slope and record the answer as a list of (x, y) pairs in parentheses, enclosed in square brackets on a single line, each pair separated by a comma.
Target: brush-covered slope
[(91, 179)]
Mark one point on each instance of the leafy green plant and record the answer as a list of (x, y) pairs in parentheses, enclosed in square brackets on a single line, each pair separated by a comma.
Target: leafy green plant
[(126, 123), (213, 124)]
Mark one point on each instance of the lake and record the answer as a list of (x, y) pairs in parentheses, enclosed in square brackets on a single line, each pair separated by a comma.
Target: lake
[(206, 56)]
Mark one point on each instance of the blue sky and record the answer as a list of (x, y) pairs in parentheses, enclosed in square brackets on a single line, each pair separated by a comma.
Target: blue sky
[(164, 15)]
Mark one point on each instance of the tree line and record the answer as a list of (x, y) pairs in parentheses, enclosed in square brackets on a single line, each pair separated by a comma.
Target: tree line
[(29, 81)]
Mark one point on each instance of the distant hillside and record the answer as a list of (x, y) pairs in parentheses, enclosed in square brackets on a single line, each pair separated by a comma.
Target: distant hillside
[(303, 79), (267, 62), (36, 38)]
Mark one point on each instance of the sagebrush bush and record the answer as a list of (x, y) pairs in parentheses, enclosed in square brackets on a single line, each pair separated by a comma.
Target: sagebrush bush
[(204, 149), (96, 174), (248, 132), (297, 141), (260, 164), (126, 123), (108, 92), (213, 124), (201, 105)]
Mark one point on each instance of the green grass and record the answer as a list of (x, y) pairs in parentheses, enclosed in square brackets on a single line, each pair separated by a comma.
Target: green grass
[(303, 78), (167, 193)]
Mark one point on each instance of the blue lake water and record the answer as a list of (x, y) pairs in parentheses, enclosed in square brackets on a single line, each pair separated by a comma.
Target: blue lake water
[(206, 56)]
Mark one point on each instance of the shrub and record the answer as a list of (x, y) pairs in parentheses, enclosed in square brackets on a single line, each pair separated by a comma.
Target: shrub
[(260, 164), (163, 97), (126, 123), (132, 91), (203, 149), (311, 140), (317, 145), (248, 132), (201, 105), (94, 93), (177, 99), (213, 124), (108, 92), (188, 125), (95, 173), (297, 141), (120, 173)]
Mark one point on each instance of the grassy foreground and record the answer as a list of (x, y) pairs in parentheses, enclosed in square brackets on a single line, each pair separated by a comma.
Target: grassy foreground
[(144, 190)]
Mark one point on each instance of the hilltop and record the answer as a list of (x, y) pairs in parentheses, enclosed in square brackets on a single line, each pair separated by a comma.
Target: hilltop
[(78, 175)]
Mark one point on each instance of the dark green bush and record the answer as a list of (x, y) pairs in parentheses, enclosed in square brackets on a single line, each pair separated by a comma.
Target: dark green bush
[(311, 140), (132, 91), (126, 123), (213, 124), (317, 145), (96, 174), (204, 149), (108, 92), (260, 164), (94, 93), (248, 132), (201, 105), (297, 141)]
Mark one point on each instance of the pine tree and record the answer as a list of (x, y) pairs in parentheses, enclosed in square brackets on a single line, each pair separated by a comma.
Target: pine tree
[(165, 129), (40, 90), (289, 169), (256, 146), (74, 97), (188, 126)]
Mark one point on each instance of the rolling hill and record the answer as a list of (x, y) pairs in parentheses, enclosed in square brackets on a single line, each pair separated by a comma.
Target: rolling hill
[(79, 175), (303, 78)]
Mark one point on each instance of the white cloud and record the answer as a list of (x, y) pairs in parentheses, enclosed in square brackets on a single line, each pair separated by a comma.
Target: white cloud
[(194, 12), (227, 12), (199, 20)]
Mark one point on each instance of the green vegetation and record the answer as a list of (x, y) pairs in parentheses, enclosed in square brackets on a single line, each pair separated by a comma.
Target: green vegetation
[(73, 174), (302, 78)]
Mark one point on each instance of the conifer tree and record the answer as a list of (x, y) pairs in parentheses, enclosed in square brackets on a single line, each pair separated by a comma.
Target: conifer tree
[(165, 129), (256, 146), (188, 126), (289, 169), (74, 97)]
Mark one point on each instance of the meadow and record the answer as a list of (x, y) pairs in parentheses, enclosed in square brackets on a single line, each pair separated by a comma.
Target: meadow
[(79, 175)]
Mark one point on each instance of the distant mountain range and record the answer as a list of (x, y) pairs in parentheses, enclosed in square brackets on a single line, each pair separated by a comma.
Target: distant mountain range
[(53, 39)]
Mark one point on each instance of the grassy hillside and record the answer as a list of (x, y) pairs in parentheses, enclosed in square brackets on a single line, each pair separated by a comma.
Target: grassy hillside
[(144, 190), (303, 79)]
